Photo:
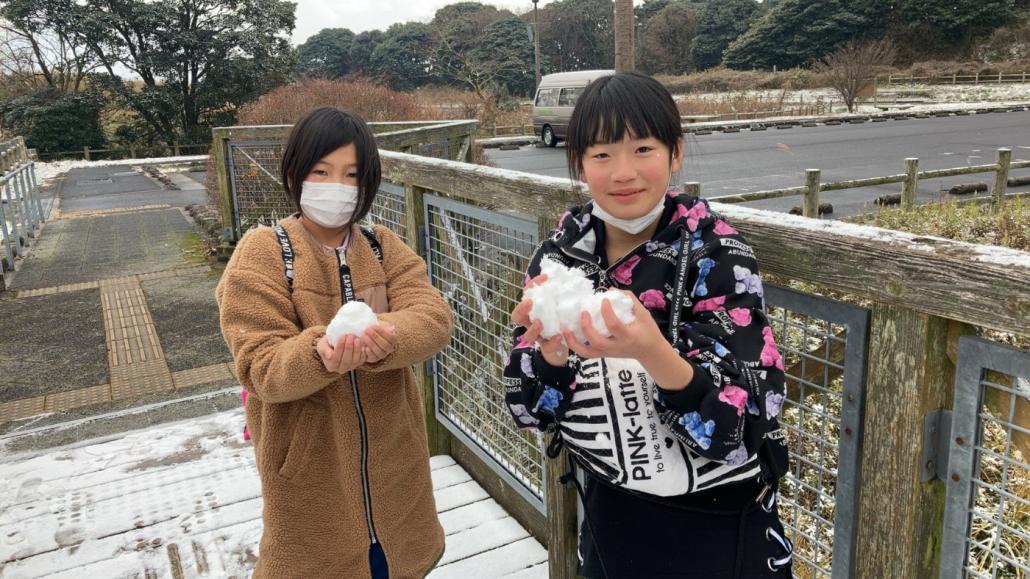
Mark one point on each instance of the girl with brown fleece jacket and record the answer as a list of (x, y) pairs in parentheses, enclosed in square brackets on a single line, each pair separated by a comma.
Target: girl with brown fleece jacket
[(338, 429)]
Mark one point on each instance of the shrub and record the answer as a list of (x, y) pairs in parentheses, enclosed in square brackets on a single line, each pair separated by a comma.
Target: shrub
[(53, 122), (372, 101)]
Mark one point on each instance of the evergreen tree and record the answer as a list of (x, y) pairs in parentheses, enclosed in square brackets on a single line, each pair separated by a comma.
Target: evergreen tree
[(326, 54), (720, 23), (795, 32)]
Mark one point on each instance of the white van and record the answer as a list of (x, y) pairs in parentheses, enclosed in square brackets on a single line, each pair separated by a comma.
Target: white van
[(555, 97)]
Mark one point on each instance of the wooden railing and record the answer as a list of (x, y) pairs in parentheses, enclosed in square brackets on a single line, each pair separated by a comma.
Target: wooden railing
[(813, 187), (954, 78), (922, 294)]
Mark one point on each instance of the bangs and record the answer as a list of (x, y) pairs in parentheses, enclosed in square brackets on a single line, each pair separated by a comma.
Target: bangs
[(614, 107)]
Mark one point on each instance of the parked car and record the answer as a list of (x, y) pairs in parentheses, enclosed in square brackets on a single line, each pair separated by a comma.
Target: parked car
[(555, 97)]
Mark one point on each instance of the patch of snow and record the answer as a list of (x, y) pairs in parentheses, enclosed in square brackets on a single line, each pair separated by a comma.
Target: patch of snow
[(53, 169), (352, 319), (559, 302)]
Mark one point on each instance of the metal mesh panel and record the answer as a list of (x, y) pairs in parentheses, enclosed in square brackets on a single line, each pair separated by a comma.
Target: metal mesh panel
[(389, 208), (258, 196), (813, 356), (987, 513), (999, 510), (478, 259)]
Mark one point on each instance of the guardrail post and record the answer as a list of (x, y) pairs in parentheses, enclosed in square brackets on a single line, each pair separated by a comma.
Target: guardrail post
[(909, 375), (85, 153), (811, 204), (132, 151), (414, 235), (692, 188), (911, 185), (1001, 178)]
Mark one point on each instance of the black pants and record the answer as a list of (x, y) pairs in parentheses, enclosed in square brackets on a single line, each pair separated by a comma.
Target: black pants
[(640, 538)]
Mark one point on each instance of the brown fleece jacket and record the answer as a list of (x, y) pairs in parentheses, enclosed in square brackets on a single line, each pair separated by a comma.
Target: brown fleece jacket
[(304, 420)]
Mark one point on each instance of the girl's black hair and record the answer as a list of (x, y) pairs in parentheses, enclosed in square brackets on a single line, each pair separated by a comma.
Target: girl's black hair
[(320, 132), (611, 105)]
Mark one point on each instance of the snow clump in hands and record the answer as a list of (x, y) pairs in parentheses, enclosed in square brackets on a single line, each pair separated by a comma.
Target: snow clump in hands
[(352, 319), (559, 301)]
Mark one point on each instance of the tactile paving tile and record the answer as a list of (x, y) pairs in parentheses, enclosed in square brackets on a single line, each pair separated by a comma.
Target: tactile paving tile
[(137, 382), (136, 361), (115, 211), (62, 401), (21, 408), (58, 289), (201, 375)]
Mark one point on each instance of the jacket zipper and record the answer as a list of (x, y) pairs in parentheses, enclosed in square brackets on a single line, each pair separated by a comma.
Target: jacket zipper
[(362, 426)]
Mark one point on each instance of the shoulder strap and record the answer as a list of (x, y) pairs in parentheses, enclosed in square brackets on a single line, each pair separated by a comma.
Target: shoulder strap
[(284, 242), (287, 247), (370, 235)]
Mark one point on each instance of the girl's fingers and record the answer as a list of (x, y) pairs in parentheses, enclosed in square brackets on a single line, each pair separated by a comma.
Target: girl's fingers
[(377, 340), (533, 333), (537, 280), (592, 335), (583, 350), (615, 325), (520, 315)]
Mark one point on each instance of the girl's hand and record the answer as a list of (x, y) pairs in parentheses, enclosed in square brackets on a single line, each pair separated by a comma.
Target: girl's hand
[(520, 315), (636, 340), (347, 355), (379, 342), (554, 350)]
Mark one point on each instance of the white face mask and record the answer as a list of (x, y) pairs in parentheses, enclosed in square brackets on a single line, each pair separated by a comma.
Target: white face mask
[(631, 226), (328, 204)]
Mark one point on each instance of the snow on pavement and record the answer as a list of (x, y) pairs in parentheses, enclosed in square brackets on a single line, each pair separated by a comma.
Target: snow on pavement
[(184, 500)]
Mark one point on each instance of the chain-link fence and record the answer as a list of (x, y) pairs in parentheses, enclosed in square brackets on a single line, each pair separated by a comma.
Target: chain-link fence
[(987, 518), (477, 258), (823, 347)]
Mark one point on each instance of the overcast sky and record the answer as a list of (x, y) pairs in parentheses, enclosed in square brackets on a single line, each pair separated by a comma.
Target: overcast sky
[(362, 15)]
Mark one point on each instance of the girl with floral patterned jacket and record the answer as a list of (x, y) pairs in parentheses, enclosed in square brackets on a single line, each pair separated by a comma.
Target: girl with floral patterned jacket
[(714, 381)]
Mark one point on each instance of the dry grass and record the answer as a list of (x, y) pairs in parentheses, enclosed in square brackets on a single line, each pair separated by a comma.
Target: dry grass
[(727, 80), (969, 222), (373, 102), (749, 105)]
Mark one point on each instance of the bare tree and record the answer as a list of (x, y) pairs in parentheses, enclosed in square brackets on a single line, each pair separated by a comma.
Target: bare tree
[(42, 43), (625, 23), (852, 68)]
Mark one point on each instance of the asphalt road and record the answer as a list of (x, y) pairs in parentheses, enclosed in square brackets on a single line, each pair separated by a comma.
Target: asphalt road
[(733, 163)]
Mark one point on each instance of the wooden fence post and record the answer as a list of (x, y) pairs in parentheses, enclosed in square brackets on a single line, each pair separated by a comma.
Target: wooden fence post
[(909, 375), (85, 152), (414, 226), (810, 208), (1001, 178), (692, 188), (175, 148), (911, 185), (132, 151)]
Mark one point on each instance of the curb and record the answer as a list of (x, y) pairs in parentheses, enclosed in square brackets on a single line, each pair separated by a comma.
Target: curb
[(708, 128)]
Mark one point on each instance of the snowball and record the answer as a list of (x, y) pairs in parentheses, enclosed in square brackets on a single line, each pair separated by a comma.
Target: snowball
[(352, 320), (559, 301)]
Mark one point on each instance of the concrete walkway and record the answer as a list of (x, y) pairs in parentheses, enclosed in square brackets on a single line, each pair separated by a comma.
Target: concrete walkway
[(110, 322)]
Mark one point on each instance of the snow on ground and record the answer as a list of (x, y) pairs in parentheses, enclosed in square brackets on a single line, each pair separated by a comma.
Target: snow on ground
[(184, 500), (47, 171), (939, 96)]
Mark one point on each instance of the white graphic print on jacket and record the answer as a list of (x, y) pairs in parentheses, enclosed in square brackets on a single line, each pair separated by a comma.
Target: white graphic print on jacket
[(614, 427)]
